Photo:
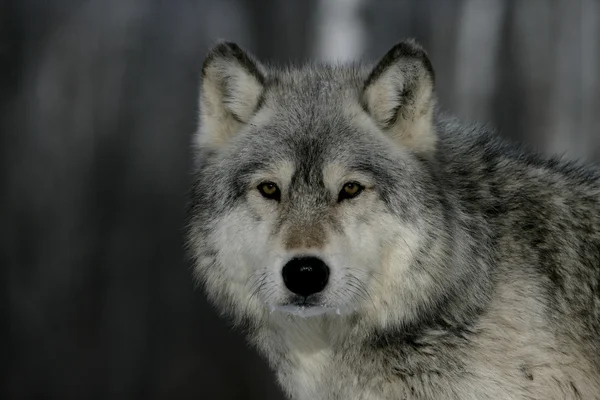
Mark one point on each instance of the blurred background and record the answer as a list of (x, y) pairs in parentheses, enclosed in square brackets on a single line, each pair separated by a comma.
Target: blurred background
[(98, 102)]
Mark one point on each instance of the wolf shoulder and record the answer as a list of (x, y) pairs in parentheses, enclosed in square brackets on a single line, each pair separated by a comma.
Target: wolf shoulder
[(543, 214)]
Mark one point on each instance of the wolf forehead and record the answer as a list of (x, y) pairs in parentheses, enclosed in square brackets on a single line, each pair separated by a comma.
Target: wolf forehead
[(315, 88), (308, 123), (307, 114)]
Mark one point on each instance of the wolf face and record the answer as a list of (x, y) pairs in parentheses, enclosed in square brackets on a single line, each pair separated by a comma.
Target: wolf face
[(312, 195)]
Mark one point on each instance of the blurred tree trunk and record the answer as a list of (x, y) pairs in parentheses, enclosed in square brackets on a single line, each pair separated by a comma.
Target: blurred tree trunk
[(533, 45), (477, 68), (590, 76), (443, 25), (564, 133), (340, 31), (281, 30)]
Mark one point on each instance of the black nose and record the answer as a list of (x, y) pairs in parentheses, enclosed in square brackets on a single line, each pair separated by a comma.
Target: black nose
[(305, 275)]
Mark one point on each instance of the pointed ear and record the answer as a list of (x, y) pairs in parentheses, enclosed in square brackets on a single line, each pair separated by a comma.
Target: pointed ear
[(230, 94), (399, 96)]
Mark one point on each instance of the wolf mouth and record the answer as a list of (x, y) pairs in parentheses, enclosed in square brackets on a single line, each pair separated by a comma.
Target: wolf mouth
[(304, 310), (305, 302)]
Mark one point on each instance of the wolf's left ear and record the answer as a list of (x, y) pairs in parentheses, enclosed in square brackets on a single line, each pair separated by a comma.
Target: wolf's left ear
[(399, 96), (231, 91)]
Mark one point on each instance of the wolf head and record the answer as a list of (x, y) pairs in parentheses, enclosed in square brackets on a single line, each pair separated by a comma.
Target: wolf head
[(313, 190)]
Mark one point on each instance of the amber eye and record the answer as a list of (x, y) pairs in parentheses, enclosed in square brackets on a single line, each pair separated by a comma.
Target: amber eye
[(269, 190), (350, 190)]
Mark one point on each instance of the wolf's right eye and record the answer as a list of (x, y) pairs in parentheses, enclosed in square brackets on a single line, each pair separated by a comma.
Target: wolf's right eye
[(269, 190)]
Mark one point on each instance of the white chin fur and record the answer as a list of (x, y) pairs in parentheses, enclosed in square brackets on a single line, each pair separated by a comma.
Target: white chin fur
[(311, 311)]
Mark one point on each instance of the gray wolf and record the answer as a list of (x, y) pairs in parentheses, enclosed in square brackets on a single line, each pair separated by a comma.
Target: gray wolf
[(375, 248)]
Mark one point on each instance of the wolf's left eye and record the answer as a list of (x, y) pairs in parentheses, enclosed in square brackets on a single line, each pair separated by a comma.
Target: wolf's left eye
[(269, 190), (350, 190)]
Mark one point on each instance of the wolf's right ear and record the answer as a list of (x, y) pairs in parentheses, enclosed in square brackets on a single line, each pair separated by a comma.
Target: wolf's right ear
[(231, 91)]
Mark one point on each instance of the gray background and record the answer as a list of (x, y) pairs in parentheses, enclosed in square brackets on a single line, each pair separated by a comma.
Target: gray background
[(97, 108)]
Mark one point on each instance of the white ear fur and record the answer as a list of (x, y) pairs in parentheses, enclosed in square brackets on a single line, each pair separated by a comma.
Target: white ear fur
[(399, 96), (231, 91)]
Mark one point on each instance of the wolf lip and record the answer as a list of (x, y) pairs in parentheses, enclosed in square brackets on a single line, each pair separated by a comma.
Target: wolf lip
[(301, 301), (302, 310), (303, 304)]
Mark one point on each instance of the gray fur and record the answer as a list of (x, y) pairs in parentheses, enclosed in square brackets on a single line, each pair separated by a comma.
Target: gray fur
[(469, 268)]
